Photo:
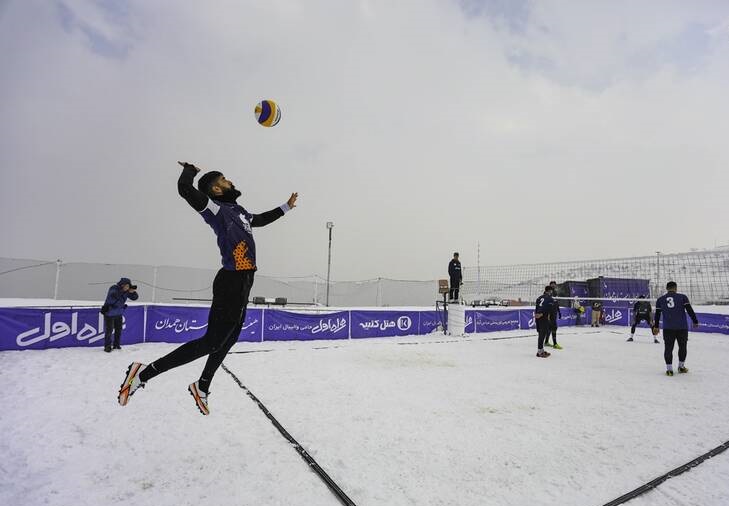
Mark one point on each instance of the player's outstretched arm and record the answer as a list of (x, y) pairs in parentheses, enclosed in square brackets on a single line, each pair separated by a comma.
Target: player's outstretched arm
[(263, 219), (197, 199)]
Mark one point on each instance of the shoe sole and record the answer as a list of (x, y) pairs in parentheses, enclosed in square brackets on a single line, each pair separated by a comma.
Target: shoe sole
[(124, 394), (196, 397)]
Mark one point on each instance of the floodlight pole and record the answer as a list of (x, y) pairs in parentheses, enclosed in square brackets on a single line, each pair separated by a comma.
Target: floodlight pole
[(330, 226), (658, 272)]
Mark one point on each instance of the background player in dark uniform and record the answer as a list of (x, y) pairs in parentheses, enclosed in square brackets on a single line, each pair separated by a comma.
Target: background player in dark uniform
[(674, 306), (641, 312), (556, 314), (215, 200), (542, 314), (454, 272)]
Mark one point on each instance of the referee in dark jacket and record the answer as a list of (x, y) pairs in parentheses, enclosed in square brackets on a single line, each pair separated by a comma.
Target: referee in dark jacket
[(454, 272)]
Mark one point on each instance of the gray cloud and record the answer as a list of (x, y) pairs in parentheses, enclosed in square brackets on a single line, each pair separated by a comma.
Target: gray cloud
[(548, 131)]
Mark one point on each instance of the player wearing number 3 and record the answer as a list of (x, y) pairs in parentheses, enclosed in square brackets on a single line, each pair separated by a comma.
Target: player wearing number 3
[(674, 306)]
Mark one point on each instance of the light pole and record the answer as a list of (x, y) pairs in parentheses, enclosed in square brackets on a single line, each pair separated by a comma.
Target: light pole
[(330, 226), (658, 273)]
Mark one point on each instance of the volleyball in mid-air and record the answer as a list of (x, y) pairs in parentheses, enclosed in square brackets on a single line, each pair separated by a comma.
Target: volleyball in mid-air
[(268, 113)]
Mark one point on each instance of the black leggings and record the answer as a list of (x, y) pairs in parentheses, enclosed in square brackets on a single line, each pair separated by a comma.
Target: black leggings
[(669, 337), (227, 314), (637, 321), (543, 330)]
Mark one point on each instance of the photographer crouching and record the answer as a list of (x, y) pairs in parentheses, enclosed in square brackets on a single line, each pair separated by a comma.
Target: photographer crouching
[(113, 309)]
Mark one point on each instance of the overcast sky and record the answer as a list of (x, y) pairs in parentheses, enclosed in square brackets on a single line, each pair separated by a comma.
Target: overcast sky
[(546, 130)]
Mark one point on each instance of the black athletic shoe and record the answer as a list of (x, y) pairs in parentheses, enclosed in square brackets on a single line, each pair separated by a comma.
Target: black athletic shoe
[(117, 347), (683, 370), (630, 339), (107, 349), (669, 373)]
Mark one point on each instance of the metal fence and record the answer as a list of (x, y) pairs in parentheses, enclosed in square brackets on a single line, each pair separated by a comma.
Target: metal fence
[(702, 275)]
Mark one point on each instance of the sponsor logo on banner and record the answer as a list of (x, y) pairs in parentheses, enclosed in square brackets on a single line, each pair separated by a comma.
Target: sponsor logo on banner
[(402, 323), (178, 325), (613, 315), (331, 325), (469, 323), (53, 331)]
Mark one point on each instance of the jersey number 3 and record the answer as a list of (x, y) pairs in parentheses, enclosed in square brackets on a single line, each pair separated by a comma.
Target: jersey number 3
[(669, 302)]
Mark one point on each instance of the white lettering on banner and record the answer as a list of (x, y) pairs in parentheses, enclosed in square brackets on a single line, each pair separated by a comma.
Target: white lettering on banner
[(613, 315), (469, 321), (402, 323), (178, 325), (531, 322), (328, 326), (53, 331), (501, 323)]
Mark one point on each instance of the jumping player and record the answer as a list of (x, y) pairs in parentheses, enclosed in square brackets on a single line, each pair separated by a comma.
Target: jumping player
[(641, 312), (215, 200), (542, 314), (675, 306)]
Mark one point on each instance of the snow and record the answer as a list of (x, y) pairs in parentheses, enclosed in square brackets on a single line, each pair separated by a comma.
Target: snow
[(429, 420)]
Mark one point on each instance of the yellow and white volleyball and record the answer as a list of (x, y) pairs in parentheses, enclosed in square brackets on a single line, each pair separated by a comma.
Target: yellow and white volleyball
[(268, 113)]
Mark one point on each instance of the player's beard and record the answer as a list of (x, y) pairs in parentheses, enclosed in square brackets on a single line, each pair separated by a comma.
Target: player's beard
[(229, 194)]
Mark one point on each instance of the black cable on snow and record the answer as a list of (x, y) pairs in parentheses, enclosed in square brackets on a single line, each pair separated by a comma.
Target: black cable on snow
[(670, 474), (333, 487)]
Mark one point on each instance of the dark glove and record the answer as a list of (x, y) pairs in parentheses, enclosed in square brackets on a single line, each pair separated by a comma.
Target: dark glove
[(104, 309)]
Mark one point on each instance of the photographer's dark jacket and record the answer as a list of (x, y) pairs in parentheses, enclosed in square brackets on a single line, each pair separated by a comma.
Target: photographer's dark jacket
[(116, 298)]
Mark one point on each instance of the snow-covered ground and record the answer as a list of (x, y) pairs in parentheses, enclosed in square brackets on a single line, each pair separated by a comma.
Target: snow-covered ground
[(427, 420)]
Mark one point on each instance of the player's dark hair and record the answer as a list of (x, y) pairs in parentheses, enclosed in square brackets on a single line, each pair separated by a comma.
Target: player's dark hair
[(549, 288), (671, 285), (207, 180)]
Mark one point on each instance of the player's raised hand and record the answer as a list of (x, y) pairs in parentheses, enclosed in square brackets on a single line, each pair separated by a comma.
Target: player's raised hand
[(186, 165), (292, 200)]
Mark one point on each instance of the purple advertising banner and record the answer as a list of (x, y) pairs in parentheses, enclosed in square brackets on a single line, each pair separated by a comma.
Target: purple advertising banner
[(569, 317), (384, 323), (179, 324), (616, 315), (709, 322), (526, 319), (430, 321), (38, 329), (493, 321), (285, 326), (470, 321)]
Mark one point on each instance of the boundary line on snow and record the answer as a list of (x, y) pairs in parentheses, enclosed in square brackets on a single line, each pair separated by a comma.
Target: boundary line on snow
[(413, 343), (670, 474), (333, 487)]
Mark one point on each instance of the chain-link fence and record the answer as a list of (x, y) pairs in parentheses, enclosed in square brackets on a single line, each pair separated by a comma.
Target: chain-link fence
[(23, 278), (702, 275)]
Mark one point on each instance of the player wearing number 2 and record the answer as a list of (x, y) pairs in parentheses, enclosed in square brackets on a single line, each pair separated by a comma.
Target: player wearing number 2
[(543, 312), (674, 306)]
